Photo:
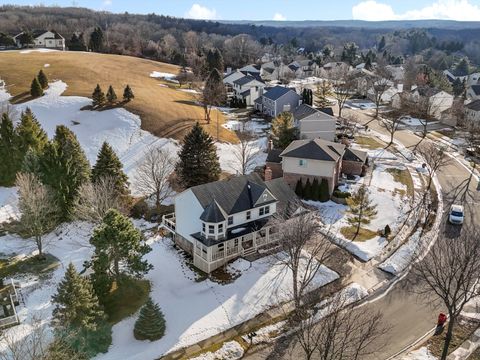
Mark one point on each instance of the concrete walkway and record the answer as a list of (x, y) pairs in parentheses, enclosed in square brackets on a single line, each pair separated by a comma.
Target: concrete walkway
[(467, 348)]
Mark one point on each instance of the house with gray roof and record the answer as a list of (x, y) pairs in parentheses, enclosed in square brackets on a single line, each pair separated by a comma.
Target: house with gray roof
[(320, 159), (313, 123), (248, 89), (472, 111), (277, 100), (223, 220), (473, 92), (49, 39)]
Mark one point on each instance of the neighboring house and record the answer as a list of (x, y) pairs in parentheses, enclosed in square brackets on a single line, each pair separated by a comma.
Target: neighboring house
[(303, 68), (320, 159), (331, 69), (251, 68), (43, 39), (274, 163), (314, 123), (473, 92), (9, 299), (388, 95), (223, 220), (438, 100), (472, 111), (248, 88), (454, 74), (397, 72), (275, 71), (277, 100)]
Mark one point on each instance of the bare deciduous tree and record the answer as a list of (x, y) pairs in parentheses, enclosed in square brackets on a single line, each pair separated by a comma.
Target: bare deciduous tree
[(213, 94), (152, 175), (302, 250), (339, 331), (344, 86), (38, 208), (449, 272), (244, 153), (391, 125), (379, 85), (95, 199)]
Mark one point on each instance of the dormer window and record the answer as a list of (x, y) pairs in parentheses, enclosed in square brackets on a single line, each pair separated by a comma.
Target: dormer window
[(211, 229), (203, 228), (220, 228), (248, 215), (230, 220)]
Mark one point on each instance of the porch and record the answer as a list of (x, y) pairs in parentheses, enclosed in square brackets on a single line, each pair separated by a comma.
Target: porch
[(9, 299), (209, 258)]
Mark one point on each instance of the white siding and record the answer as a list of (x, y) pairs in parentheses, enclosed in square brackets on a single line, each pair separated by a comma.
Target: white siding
[(317, 168), (187, 214)]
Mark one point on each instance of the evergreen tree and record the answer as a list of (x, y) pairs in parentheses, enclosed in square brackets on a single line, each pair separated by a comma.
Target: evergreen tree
[(150, 325), (77, 305), (31, 163), (381, 44), (458, 87), (362, 210), (307, 190), (198, 161), (283, 130), (111, 96), (42, 79), (77, 43), (323, 92), (118, 252), (214, 60), (315, 190), (36, 89), (299, 189), (108, 164), (323, 191), (9, 155), (64, 167), (96, 40), (128, 94), (30, 134), (98, 97)]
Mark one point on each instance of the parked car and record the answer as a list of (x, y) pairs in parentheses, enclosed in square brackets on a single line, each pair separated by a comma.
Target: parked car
[(456, 215)]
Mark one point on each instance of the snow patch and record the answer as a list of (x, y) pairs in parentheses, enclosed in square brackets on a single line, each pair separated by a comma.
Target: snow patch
[(46, 65), (420, 354), (231, 162), (162, 75), (231, 350), (37, 50), (8, 204)]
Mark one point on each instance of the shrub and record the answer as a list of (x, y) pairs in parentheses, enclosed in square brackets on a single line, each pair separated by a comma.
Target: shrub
[(387, 231), (323, 192), (150, 325), (341, 194)]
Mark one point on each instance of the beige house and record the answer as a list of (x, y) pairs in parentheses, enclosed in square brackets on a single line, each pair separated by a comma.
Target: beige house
[(320, 159), (43, 39), (314, 123)]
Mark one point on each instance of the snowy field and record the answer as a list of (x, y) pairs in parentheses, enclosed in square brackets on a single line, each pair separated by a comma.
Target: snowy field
[(230, 159), (119, 127), (385, 192), (198, 310), (254, 126), (421, 354)]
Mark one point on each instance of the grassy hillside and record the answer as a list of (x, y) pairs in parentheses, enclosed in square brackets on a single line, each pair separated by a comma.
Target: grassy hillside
[(165, 112)]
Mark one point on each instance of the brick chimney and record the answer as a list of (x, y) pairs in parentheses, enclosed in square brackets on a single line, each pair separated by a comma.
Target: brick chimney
[(268, 174)]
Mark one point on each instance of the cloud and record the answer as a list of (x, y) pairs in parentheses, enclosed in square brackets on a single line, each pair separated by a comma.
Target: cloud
[(279, 17), (107, 3), (200, 12), (461, 10)]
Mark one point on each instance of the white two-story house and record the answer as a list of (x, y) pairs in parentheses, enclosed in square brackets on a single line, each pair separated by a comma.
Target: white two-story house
[(223, 220), (43, 39), (248, 88)]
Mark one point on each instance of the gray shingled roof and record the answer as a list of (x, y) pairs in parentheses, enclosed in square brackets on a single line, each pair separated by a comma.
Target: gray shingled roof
[(277, 92), (274, 156), (303, 111), (233, 195), (476, 89), (244, 80), (212, 213), (355, 155), (474, 105), (283, 193), (316, 149)]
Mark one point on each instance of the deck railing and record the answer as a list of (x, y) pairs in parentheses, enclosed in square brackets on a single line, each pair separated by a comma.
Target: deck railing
[(168, 221)]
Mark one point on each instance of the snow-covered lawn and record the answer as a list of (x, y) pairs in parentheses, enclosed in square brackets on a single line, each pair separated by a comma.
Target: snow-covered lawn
[(386, 193), (8, 204), (162, 75), (254, 126), (421, 354), (37, 50), (230, 160), (198, 310), (403, 256)]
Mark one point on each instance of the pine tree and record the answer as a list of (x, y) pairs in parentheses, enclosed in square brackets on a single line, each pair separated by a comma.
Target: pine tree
[(214, 60), (323, 191), (96, 40), (381, 44), (9, 155), (128, 94), (42, 79), (307, 190), (36, 89), (283, 130), (198, 161), (30, 134), (77, 306), (150, 325), (362, 210), (299, 189), (77, 43), (111, 96), (108, 164), (64, 167), (323, 92), (118, 252), (98, 97), (315, 190)]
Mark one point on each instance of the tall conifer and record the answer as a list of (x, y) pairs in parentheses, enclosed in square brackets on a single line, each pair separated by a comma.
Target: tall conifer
[(9, 157), (42, 79), (150, 325), (108, 164)]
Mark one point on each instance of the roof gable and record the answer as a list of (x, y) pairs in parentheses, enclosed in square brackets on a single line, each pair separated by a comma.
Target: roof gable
[(316, 149), (277, 92)]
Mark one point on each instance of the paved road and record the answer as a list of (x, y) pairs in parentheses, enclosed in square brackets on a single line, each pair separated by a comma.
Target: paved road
[(408, 316)]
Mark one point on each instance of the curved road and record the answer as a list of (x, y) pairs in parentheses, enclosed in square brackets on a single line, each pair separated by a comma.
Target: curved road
[(408, 316)]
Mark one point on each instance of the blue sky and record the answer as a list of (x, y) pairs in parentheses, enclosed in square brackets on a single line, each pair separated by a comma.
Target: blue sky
[(284, 9)]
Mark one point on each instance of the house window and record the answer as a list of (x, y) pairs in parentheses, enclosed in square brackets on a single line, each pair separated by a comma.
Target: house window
[(249, 215), (211, 229), (220, 247), (302, 162), (267, 210), (261, 211), (230, 220), (220, 228), (235, 242), (203, 227)]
